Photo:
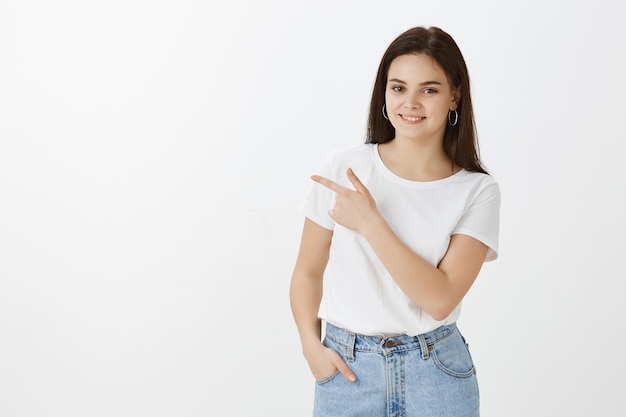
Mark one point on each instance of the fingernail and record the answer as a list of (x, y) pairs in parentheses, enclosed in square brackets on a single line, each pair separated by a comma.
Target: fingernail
[(352, 378)]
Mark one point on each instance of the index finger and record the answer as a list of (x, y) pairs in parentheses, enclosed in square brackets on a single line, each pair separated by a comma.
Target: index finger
[(328, 183)]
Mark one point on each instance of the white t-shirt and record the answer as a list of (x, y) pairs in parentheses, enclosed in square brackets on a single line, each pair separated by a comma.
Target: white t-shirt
[(358, 292)]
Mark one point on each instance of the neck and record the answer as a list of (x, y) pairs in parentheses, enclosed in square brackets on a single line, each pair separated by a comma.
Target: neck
[(417, 161)]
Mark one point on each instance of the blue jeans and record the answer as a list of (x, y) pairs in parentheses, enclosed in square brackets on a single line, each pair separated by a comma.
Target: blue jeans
[(430, 375)]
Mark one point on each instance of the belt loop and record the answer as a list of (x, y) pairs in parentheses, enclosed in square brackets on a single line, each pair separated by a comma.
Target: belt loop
[(423, 345), (350, 348)]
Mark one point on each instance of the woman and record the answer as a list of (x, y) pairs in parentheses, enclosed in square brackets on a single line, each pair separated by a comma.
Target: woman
[(396, 232)]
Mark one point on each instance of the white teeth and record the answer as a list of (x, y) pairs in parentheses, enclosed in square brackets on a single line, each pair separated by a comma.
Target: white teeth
[(412, 119)]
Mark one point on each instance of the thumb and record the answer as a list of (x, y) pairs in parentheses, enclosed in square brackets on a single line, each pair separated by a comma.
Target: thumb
[(358, 185), (344, 369)]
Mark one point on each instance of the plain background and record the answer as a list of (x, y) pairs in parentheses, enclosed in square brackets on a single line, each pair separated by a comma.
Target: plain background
[(153, 155)]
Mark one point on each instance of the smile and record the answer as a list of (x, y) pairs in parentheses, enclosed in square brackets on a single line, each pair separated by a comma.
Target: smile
[(412, 118)]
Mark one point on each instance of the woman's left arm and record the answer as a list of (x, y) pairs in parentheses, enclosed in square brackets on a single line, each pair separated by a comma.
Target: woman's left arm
[(437, 290)]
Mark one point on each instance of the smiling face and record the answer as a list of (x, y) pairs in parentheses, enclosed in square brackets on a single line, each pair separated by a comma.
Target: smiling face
[(418, 97)]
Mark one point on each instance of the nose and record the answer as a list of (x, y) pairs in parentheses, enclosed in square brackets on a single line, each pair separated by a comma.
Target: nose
[(413, 101)]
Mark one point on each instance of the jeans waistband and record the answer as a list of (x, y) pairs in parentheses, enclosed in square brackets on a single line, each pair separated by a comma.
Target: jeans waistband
[(358, 342)]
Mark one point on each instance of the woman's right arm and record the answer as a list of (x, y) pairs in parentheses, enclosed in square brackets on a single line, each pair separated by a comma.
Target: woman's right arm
[(305, 296)]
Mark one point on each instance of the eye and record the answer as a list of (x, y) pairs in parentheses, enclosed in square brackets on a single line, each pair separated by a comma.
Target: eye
[(397, 88), (430, 91)]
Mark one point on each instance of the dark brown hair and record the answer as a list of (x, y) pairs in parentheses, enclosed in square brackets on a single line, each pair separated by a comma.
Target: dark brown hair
[(459, 142)]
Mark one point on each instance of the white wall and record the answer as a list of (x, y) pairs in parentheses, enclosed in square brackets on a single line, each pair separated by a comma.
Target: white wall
[(153, 155)]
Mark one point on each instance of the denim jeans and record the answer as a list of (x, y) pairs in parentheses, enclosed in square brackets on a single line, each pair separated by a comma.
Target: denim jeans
[(429, 375)]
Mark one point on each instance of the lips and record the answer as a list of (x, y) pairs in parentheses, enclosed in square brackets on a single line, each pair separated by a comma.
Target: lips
[(412, 119)]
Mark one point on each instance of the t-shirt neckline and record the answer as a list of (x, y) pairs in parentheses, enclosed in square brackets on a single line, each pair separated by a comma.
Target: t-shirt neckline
[(411, 183)]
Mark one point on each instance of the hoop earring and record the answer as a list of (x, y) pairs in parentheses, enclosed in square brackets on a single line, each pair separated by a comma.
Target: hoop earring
[(384, 115), (456, 117)]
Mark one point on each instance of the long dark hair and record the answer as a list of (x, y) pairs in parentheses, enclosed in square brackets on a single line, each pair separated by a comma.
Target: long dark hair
[(459, 142)]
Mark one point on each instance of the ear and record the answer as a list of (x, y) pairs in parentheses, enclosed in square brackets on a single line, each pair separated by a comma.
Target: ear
[(456, 98)]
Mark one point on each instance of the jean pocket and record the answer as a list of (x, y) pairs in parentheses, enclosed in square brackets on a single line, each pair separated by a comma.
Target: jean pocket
[(452, 356), (327, 379), (341, 351)]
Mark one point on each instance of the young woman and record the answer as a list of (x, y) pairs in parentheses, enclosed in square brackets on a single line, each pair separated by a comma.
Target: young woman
[(396, 232)]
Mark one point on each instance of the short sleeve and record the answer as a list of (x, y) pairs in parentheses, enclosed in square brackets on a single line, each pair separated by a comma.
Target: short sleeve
[(482, 219), (319, 199)]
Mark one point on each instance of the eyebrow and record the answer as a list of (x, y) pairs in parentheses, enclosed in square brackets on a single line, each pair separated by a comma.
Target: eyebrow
[(395, 80)]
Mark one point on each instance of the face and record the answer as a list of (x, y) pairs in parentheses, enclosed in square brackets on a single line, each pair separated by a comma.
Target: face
[(418, 97)]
